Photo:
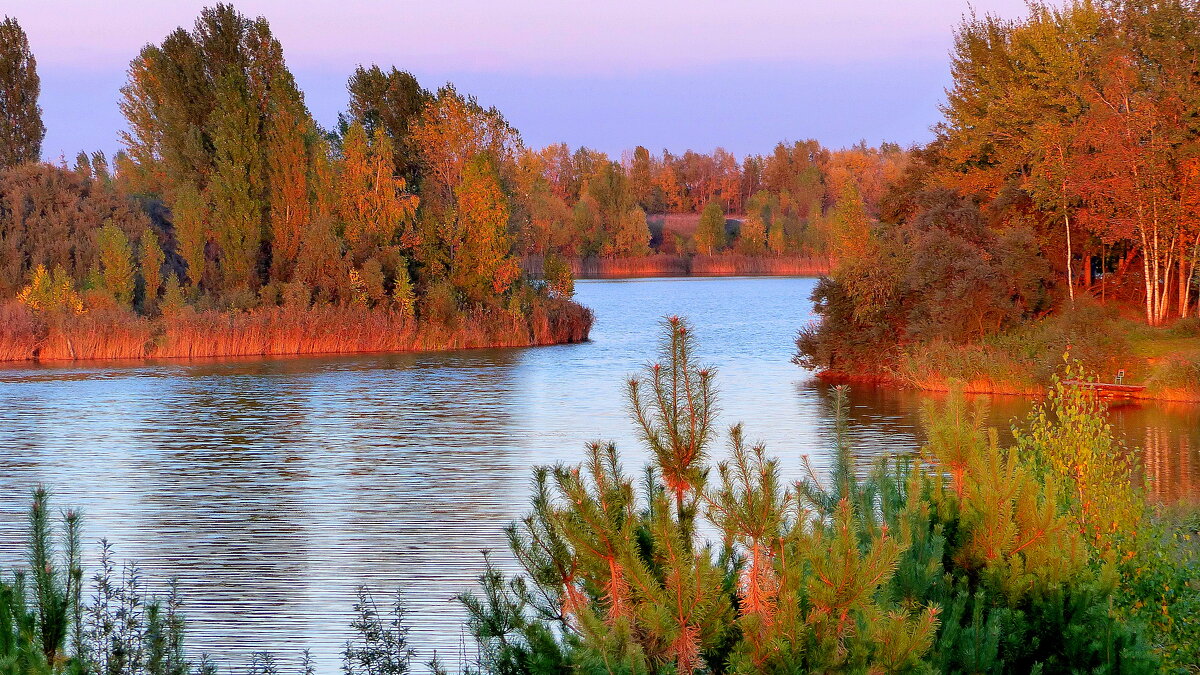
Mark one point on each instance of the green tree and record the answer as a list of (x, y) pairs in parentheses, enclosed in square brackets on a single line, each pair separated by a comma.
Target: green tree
[(631, 236), (116, 263), (151, 264), (201, 109), (752, 238), (236, 191), (557, 273), (710, 232), (190, 216), (172, 301), (21, 128), (389, 103)]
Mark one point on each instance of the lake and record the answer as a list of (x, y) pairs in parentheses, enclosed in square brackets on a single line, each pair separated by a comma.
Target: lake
[(273, 488)]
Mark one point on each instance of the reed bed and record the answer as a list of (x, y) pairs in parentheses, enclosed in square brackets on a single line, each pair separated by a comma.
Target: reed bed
[(732, 264), (667, 265), (20, 332), (270, 331)]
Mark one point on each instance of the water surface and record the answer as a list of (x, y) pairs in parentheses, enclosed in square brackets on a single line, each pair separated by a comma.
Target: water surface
[(272, 488)]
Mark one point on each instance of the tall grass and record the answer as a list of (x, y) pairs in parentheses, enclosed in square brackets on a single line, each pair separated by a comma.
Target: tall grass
[(733, 264), (268, 331), (20, 332), (667, 265)]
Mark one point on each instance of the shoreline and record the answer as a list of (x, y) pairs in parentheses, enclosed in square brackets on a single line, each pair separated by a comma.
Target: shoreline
[(984, 387)]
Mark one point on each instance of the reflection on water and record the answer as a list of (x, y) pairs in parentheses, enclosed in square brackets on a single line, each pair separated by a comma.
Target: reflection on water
[(272, 488)]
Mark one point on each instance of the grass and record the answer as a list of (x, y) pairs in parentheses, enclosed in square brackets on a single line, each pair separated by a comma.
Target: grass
[(1022, 361)]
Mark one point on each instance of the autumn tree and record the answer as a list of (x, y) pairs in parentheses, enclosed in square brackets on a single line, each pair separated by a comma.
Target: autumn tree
[(21, 128), (480, 261), (450, 133), (752, 236), (201, 109), (641, 179), (290, 143), (50, 216), (374, 207)]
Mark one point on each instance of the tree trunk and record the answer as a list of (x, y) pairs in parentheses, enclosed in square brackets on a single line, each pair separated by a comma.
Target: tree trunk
[(1070, 262)]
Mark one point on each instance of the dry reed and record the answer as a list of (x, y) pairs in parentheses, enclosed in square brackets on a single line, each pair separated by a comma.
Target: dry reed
[(666, 265), (119, 334)]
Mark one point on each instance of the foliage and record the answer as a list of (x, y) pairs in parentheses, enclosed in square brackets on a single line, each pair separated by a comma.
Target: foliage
[(557, 273), (21, 128), (116, 264), (150, 263), (50, 292), (51, 217), (972, 558), (710, 233), (381, 644)]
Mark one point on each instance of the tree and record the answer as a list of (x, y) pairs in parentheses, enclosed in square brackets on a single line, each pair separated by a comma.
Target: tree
[(631, 236), (373, 204), (641, 178), (49, 216), (190, 217), (752, 239), (557, 273), (151, 264), (116, 263), (202, 111), (850, 224), (710, 233), (21, 128), (390, 103), (452, 131), (480, 261), (236, 191), (289, 133)]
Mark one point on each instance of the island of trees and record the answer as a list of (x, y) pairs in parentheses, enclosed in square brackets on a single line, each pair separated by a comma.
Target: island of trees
[(231, 223)]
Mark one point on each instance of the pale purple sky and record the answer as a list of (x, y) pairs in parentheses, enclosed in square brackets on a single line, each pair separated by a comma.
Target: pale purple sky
[(609, 75)]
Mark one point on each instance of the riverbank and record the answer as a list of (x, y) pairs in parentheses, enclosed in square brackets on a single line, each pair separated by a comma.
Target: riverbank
[(104, 334), (669, 265), (1165, 360)]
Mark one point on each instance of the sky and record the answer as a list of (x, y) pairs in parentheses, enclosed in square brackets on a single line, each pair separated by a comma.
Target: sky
[(669, 74)]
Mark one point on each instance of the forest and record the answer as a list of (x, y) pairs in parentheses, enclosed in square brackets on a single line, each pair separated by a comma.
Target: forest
[(232, 223), (1055, 210)]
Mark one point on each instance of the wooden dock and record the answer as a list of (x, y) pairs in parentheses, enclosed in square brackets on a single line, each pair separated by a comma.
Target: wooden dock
[(1108, 389)]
